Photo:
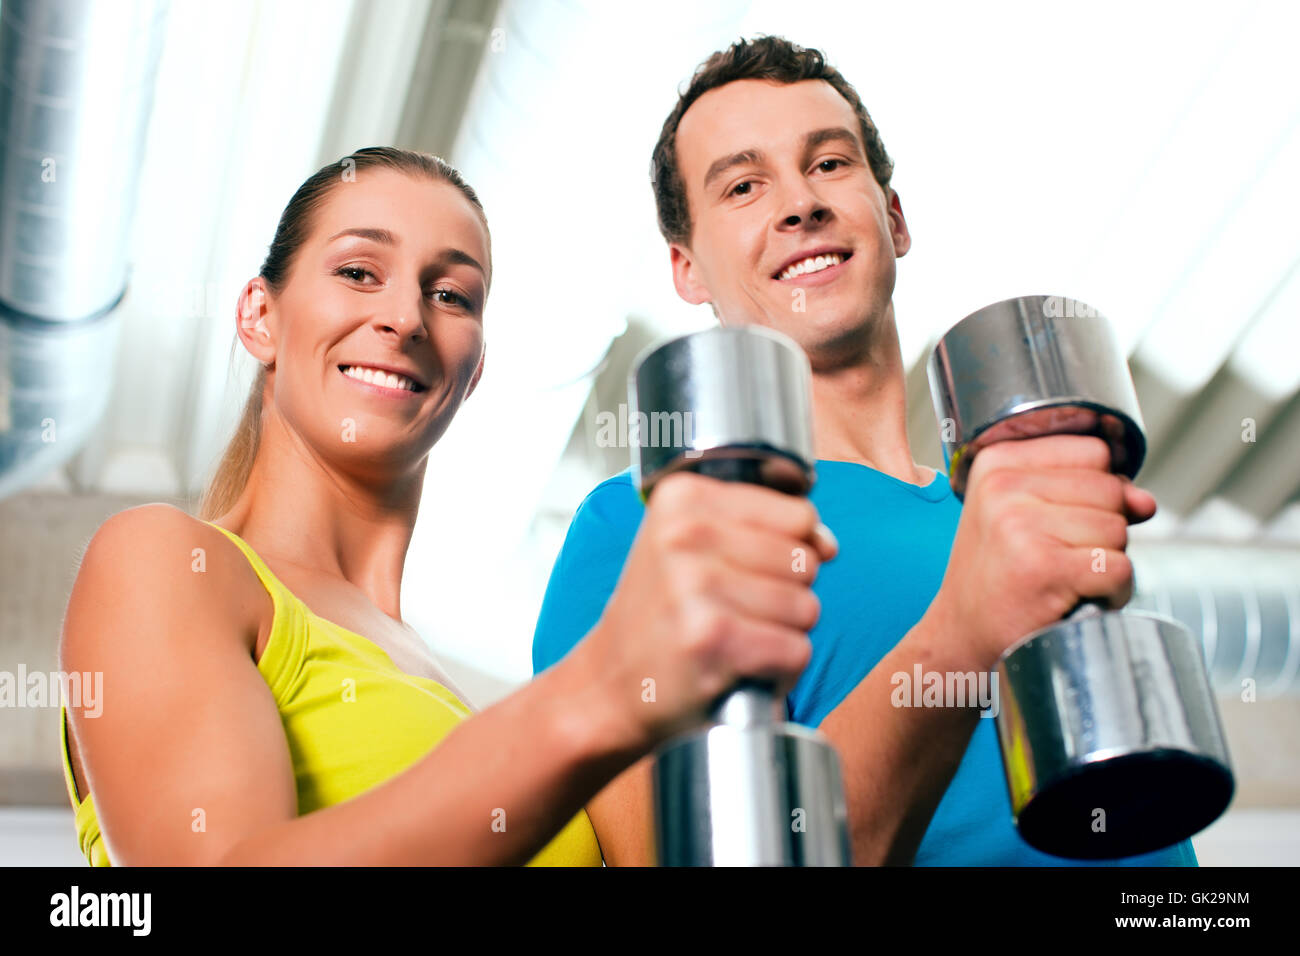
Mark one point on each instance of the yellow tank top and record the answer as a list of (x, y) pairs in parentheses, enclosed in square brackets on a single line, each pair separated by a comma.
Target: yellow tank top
[(352, 719)]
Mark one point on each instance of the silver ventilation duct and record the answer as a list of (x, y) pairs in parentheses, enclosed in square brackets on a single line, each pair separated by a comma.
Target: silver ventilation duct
[(76, 91), (1243, 602), (1247, 635)]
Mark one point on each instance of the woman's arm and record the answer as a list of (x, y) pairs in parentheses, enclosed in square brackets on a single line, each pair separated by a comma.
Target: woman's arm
[(495, 791), (188, 762)]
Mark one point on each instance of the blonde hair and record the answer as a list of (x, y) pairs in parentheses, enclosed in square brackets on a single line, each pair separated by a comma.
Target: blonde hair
[(236, 463)]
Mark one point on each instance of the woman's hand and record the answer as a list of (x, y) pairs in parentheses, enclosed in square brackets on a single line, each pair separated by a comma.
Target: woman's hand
[(717, 587)]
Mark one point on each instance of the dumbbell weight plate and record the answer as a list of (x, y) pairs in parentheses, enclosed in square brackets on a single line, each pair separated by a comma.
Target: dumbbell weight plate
[(1109, 736)]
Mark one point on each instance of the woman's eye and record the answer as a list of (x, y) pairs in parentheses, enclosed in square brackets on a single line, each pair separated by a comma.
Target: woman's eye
[(347, 270), (455, 297)]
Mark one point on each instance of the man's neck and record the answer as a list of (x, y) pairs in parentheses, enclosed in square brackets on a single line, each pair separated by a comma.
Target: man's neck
[(860, 410)]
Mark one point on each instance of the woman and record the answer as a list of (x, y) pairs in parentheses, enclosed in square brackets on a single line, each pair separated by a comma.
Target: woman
[(264, 703)]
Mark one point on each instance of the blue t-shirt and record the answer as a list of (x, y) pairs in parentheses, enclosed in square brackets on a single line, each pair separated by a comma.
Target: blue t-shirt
[(894, 539)]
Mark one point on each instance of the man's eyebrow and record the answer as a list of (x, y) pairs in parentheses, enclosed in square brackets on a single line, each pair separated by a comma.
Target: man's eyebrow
[(378, 235), (811, 141), (720, 166), (832, 134)]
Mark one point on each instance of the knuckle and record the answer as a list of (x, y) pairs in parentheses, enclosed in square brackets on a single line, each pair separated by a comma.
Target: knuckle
[(707, 579), (1001, 483), (997, 455), (1121, 566), (1097, 451), (1117, 531), (689, 578), (680, 490), (706, 630), (1013, 525), (808, 566), (796, 652), (684, 531), (1112, 487), (809, 609)]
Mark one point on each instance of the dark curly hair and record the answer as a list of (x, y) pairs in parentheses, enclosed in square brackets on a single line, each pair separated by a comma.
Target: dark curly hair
[(762, 58)]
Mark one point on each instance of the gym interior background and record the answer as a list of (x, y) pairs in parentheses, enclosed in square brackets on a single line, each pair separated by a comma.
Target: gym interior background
[(1139, 157)]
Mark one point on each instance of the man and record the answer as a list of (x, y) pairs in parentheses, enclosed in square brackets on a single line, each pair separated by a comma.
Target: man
[(772, 187)]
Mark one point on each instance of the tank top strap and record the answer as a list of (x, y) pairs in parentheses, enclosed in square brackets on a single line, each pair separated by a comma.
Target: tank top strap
[(272, 583), (286, 647), (67, 759)]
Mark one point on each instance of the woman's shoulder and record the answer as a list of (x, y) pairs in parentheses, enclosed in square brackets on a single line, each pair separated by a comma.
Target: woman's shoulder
[(182, 565)]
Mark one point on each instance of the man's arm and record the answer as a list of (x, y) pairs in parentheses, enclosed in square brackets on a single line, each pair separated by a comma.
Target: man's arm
[(897, 762), (1035, 514)]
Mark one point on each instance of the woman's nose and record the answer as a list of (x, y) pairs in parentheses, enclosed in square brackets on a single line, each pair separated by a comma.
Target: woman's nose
[(405, 325)]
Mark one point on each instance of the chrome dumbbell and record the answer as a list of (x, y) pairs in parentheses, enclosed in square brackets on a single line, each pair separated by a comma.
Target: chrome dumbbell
[(751, 789), (1108, 727)]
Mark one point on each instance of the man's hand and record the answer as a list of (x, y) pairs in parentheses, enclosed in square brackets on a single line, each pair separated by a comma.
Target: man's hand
[(1045, 524)]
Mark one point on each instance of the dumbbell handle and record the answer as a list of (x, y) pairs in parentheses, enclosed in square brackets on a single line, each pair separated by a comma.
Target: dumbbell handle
[(749, 704), (1086, 608)]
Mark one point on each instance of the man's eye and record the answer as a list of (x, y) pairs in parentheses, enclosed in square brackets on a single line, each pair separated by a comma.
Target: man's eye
[(830, 165), (741, 188)]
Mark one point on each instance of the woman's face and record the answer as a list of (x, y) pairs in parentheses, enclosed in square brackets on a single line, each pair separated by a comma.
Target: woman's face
[(407, 294)]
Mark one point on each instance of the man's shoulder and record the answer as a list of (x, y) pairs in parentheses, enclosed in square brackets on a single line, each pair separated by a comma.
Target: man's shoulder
[(614, 499), (587, 568), (620, 484)]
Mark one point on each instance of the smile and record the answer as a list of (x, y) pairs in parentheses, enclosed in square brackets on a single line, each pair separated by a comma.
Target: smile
[(812, 265), (383, 382)]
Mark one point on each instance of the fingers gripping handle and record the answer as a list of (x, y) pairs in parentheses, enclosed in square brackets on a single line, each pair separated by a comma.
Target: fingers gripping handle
[(739, 403)]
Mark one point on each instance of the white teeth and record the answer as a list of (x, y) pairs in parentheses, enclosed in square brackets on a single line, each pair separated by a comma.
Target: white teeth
[(377, 377), (811, 264)]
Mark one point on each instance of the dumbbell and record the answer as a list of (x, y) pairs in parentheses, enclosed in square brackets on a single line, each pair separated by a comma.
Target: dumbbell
[(1110, 736), (750, 789)]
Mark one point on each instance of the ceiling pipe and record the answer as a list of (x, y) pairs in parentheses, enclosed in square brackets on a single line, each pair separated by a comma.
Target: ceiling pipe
[(1242, 600), (76, 91)]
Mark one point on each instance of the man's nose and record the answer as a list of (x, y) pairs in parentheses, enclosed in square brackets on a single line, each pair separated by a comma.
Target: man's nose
[(802, 207)]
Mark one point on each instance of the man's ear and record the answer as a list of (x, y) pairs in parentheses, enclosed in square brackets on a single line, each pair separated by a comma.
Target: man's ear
[(898, 225), (686, 275), (478, 373), (251, 321)]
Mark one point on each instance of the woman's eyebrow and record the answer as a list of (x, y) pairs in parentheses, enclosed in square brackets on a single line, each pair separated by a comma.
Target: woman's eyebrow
[(458, 256), (378, 235)]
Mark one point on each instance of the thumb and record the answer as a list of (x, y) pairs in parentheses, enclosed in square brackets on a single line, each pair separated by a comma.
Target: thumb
[(827, 545), (1139, 504)]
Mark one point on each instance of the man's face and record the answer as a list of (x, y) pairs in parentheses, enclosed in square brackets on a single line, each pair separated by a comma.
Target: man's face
[(776, 175)]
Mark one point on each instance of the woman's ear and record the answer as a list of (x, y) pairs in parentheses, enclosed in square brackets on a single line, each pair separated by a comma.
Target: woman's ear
[(251, 324), (478, 373)]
